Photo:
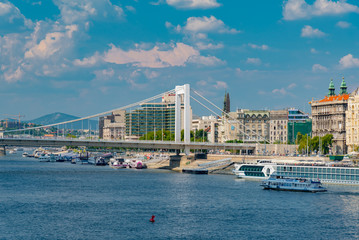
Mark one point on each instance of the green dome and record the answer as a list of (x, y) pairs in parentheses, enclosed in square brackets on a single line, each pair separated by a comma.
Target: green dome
[(331, 88), (343, 87)]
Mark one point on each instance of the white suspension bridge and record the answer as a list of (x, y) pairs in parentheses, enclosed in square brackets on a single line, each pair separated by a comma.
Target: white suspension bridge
[(182, 120)]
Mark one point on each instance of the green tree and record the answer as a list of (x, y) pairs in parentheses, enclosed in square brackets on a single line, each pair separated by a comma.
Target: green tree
[(327, 143), (299, 137)]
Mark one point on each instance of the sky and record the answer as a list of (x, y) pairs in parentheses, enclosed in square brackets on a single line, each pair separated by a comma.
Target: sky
[(90, 56)]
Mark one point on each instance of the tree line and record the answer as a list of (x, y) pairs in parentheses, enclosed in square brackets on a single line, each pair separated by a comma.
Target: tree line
[(314, 144)]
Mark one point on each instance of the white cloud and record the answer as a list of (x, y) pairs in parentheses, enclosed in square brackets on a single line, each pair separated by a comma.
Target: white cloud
[(319, 68), (151, 74), (300, 9), (206, 25), (202, 83), (53, 42), (343, 24), (280, 91), (5, 8), (207, 61), (220, 85), (349, 61), (261, 47), (308, 31), (313, 50), (13, 76), (255, 61), (80, 11), (292, 85), (10, 14), (193, 4), (205, 46), (177, 55), (88, 62)]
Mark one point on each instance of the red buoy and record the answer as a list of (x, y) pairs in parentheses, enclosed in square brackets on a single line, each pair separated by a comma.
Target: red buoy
[(152, 218)]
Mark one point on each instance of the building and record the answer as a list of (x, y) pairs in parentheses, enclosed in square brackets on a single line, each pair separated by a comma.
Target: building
[(298, 122), (329, 117), (352, 123), (229, 127), (278, 126), (209, 124), (152, 117), (246, 125), (113, 126)]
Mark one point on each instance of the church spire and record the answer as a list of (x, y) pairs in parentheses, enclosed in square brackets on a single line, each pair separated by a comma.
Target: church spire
[(343, 88), (226, 103), (331, 88)]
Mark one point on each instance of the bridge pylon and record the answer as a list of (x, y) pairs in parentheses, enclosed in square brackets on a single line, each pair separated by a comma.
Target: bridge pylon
[(183, 92)]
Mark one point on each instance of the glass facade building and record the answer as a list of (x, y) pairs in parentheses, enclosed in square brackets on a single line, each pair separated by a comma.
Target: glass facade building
[(151, 117)]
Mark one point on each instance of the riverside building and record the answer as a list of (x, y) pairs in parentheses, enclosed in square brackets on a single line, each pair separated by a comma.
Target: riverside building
[(298, 122), (352, 123), (329, 117), (246, 125), (278, 126), (152, 117), (113, 126)]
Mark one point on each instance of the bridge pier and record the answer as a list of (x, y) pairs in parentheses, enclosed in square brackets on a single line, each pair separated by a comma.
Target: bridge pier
[(179, 161), (2, 150)]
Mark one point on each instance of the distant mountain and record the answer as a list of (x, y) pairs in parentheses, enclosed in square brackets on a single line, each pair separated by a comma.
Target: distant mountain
[(63, 117)]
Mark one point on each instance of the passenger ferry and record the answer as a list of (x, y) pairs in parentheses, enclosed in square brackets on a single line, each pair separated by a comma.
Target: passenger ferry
[(280, 183), (327, 173), (262, 170)]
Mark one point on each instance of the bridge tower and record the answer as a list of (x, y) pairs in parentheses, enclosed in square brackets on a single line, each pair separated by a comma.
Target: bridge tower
[(183, 91)]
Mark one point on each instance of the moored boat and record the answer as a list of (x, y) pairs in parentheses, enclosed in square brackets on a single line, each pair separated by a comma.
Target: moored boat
[(336, 173), (280, 183)]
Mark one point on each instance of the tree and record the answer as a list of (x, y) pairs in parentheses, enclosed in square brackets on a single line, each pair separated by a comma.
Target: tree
[(327, 143), (299, 137)]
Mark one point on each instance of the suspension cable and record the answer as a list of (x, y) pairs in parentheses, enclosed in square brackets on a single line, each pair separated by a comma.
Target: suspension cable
[(95, 115)]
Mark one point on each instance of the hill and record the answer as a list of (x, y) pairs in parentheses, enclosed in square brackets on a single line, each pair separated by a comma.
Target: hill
[(58, 117)]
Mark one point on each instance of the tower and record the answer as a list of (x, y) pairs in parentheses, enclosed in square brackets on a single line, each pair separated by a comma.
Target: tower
[(343, 88), (331, 89), (226, 103)]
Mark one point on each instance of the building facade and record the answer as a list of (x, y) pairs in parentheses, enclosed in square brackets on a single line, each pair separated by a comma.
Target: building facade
[(245, 125), (329, 117), (298, 122), (352, 123), (152, 117), (113, 126), (278, 126)]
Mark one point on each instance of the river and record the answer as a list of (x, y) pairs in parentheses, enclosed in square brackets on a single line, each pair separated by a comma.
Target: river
[(40, 200)]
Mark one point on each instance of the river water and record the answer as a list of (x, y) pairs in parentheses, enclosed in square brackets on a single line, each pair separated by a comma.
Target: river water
[(66, 201)]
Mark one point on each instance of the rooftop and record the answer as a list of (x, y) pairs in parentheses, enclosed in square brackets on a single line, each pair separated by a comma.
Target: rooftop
[(340, 97)]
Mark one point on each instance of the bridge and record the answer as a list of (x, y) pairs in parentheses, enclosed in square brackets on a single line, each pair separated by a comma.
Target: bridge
[(182, 122), (19, 142)]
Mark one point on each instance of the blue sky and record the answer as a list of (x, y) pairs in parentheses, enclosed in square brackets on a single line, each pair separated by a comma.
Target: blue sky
[(90, 56)]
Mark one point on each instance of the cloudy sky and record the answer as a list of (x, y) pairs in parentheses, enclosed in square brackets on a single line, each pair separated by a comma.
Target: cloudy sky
[(90, 56)]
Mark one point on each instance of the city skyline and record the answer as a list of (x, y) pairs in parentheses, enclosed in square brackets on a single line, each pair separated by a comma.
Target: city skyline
[(91, 56)]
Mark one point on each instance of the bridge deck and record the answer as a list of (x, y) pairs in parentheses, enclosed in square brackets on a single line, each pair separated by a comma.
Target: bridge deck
[(122, 144)]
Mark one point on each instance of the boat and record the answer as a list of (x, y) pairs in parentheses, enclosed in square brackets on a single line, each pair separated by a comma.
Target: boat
[(44, 158), (334, 173), (262, 170), (118, 163), (136, 163), (25, 154), (100, 162), (13, 151), (281, 183)]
